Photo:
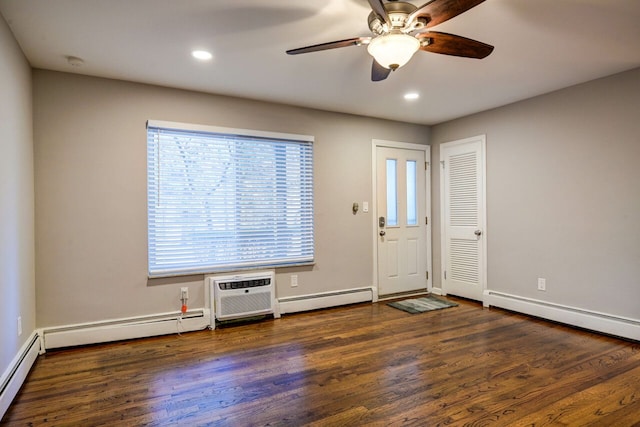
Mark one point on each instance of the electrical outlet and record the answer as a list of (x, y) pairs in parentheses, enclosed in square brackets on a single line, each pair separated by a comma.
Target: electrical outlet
[(184, 293), (542, 284), (19, 325), (294, 280)]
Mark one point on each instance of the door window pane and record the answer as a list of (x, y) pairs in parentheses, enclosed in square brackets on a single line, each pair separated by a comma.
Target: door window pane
[(392, 193), (412, 195)]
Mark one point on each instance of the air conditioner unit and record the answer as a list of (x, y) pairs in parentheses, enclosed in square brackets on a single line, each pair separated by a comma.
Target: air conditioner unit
[(243, 295)]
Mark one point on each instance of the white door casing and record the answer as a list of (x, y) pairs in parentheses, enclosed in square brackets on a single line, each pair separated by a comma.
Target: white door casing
[(463, 217), (402, 245)]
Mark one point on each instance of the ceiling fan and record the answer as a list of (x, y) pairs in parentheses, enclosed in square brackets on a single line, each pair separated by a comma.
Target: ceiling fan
[(399, 30)]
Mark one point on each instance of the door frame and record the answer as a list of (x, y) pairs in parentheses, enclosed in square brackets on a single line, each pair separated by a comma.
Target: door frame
[(374, 204), (483, 189)]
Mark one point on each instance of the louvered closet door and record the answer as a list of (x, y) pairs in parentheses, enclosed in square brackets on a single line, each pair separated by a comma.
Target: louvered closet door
[(464, 218)]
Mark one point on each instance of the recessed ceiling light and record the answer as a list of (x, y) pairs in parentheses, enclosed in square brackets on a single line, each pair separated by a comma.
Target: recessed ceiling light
[(411, 96), (202, 55)]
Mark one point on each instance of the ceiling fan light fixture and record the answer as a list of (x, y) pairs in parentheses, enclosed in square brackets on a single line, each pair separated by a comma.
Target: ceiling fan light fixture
[(393, 50)]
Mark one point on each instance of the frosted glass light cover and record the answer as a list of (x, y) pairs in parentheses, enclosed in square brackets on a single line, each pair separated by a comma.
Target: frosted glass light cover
[(393, 50)]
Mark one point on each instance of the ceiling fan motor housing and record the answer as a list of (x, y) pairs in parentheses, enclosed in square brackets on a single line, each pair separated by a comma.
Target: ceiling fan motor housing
[(398, 12)]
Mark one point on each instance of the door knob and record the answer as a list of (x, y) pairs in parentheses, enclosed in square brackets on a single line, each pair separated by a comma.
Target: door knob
[(477, 233), (382, 232)]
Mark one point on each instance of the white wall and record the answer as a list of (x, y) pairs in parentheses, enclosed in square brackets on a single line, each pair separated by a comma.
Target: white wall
[(17, 273), (90, 157), (563, 194)]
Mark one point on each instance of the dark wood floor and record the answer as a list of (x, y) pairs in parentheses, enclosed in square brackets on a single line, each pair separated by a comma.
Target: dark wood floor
[(367, 364)]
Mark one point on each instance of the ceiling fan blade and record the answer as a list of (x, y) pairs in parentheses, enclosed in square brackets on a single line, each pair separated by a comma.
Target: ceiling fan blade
[(438, 11), (357, 41), (378, 72), (378, 8), (450, 44)]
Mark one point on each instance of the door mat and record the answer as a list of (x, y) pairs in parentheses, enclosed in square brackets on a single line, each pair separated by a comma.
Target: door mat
[(420, 305)]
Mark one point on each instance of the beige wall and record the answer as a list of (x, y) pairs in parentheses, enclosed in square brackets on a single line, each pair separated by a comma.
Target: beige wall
[(90, 148), (563, 194), (17, 280)]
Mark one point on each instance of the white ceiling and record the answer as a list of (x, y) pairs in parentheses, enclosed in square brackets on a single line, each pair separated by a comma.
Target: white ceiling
[(540, 46)]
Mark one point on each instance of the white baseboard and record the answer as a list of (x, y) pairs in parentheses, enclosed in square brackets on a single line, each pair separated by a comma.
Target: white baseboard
[(587, 319), (123, 329), (325, 300), (436, 291), (15, 374)]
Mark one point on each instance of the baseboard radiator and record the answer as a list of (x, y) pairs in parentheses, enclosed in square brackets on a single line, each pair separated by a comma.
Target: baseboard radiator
[(15, 374), (123, 329), (325, 300), (600, 322)]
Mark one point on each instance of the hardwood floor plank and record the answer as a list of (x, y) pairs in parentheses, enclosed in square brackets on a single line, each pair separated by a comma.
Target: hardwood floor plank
[(366, 364), (595, 403)]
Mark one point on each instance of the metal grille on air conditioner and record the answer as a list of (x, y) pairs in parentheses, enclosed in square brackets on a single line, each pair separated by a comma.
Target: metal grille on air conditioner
[(243, 295)]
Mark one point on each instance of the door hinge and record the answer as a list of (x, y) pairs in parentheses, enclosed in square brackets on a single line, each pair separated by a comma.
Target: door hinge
[(426, 220), (442, 163), (445, 275), (426, 165), (427, 275)]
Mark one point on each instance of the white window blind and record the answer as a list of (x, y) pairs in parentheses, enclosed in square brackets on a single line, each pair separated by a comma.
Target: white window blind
[(224, 199)]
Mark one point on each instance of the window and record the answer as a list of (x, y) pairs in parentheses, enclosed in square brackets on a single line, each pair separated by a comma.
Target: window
[(225, 199), (392, 193), (412, 193)]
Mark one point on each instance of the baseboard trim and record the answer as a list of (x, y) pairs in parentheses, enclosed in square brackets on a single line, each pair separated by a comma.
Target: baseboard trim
[(17, 372), (600, 322), (436, 291), (325, 300), (123, 329)]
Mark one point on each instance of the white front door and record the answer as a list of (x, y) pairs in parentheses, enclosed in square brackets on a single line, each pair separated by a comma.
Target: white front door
[(401, 219), (462, 184)]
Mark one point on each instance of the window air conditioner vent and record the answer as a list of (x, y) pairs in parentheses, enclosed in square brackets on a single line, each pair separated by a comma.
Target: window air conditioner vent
[(242, 295)]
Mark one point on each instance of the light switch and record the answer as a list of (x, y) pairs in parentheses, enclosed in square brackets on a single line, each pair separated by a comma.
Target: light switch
[(365, 207)]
